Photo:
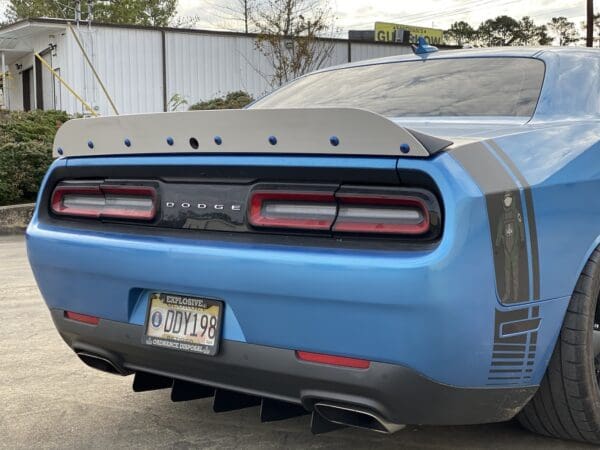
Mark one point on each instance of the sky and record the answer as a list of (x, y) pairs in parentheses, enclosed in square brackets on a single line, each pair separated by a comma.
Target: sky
[(361, 14)]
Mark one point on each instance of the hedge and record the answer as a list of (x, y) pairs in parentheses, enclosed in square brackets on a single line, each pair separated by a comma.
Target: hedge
[(25, 152), (233, 100), (26, 145)]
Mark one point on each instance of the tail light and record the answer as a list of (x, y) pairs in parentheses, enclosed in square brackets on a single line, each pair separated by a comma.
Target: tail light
[(350, 209), (381, 213), (307, 210), (105, 201)]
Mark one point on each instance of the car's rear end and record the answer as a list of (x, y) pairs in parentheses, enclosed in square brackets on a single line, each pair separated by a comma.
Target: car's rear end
[(362, 281)]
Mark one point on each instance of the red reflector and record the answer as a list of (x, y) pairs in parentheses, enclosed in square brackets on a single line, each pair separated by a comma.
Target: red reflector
[(104, 201), (333, 360), (91, 320), (305, 210)]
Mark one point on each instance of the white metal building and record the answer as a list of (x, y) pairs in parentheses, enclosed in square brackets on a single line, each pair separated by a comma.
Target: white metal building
[(142, 67)]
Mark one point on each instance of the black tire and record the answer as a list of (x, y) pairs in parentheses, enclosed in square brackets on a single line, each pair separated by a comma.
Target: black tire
[(567, 404)]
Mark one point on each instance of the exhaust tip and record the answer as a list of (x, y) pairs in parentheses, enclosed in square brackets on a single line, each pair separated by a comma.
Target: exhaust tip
[(355, 416), (100, 363)]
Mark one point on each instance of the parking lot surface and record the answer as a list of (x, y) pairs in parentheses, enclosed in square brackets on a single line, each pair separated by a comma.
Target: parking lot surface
[(49, 399)]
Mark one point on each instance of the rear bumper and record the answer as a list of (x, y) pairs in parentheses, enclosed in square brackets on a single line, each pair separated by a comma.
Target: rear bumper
[(399, 394), (433, 310)]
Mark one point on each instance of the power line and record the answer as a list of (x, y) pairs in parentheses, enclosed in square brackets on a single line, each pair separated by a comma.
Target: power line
[(467, 11), (589, 39), (557, 11), (441, 14)]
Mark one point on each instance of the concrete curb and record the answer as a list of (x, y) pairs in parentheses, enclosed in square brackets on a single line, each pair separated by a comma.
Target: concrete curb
[(14, 218)]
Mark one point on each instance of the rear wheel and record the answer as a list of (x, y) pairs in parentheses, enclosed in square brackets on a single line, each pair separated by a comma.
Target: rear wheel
[(567, 405)]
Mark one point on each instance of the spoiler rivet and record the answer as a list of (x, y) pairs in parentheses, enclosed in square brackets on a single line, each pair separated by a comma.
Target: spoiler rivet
[(127, 143), (218, 140), (59, 151), (334, 140), (170, 140), (90, 144), (272, 140), (405, 148)]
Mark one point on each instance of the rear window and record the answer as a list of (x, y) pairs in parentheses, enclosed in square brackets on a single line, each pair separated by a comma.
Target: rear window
[(431, 88)]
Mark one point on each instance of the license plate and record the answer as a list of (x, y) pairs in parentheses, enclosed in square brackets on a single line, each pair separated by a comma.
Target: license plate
[(185, 323)]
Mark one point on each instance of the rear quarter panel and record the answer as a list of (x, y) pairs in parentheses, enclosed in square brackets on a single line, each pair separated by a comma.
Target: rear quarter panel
[(561, 163)]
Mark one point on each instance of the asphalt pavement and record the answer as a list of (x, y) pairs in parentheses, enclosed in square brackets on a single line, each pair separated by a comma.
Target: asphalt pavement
[(49, 399)]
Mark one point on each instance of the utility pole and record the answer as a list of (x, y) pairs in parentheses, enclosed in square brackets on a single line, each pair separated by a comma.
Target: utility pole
[(246, 12), (77, 11), (590, 23), (90, 11)]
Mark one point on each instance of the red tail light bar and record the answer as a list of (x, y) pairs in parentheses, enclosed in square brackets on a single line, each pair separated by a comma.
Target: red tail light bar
[(105, 201), (371, 213), (304, 210), (363, 210)]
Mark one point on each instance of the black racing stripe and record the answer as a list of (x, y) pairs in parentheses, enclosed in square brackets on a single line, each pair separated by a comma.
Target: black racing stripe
[(511, 259), (512, 315), (522, 326), (508, 355), (516, 365), (535, 261), (487, 171), (504, 378), (509, 348)]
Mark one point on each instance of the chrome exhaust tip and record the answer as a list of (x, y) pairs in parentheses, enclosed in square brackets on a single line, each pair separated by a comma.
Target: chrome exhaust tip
[(355, 416)]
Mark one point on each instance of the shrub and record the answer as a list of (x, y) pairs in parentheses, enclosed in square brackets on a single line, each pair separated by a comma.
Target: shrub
[(22, 167), (233, 100), (26, 152), (38, 126)]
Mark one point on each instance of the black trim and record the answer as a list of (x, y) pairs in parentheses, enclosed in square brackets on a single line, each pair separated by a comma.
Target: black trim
[(163, 45), (399, 394), (511, 260), (39, 95), (535, 260), (349, 51), (26, 84)]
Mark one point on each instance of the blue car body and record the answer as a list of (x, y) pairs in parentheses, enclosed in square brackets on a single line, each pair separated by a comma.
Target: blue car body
[(436, 311)]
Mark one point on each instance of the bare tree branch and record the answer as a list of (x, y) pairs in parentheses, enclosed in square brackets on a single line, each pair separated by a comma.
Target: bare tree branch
[(291, 36)]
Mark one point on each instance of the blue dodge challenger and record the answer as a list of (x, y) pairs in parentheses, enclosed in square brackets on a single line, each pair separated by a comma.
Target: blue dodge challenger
[(410, 240)]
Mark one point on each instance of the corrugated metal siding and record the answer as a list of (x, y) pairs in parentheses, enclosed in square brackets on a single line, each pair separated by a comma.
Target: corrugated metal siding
[(201, 67), (198, 66), (129, 61), (71, 65), (362, 51), (339, 54)]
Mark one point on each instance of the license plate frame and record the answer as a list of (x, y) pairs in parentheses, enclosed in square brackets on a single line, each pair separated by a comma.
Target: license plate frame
[(182, 303)]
